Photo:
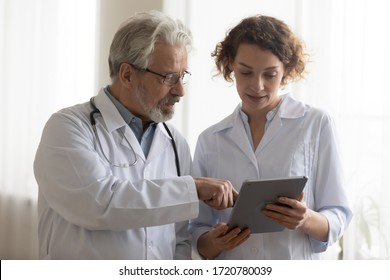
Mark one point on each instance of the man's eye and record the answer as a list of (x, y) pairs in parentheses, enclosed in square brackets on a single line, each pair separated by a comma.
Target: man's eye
[(171, 77)]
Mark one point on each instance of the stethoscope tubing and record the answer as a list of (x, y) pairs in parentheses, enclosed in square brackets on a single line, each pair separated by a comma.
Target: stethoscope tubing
[(95, 110)]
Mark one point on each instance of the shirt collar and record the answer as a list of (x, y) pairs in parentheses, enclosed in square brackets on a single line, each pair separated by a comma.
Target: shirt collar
[(289, 109), (134, 122), (270, 115), (123, 111)]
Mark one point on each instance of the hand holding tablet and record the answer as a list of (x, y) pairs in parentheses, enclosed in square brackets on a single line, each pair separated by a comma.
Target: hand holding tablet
[(255, 194)]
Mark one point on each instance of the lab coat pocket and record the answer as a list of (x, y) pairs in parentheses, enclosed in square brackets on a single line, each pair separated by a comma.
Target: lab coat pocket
[(303, 159), (302, 165)]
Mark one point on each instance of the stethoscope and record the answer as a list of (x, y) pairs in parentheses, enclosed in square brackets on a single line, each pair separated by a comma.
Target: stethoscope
[(126, 165)]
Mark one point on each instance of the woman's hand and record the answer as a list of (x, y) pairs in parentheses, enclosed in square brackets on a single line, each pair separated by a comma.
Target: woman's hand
[(289, 212), (294, 214), (213, 242)]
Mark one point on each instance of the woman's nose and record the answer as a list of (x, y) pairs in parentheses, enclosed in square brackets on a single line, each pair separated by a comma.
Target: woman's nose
[(258, 83)]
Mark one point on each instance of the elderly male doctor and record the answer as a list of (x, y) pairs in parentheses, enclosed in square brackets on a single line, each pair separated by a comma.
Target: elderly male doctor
[(113, 180)]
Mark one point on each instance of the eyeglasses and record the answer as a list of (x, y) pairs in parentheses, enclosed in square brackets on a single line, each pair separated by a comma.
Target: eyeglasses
[(171, 79)]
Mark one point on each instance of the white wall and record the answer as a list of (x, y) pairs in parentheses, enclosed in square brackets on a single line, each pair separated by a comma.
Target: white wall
[(111, 13)]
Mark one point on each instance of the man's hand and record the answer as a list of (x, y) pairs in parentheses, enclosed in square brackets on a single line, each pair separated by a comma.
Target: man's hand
[(216, 193)]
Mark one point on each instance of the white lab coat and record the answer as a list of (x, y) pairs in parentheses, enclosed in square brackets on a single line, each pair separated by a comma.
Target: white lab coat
[(91, 210), (300, 140)]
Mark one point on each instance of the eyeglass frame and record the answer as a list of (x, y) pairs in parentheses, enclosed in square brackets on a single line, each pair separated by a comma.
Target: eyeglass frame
[(168, 76)]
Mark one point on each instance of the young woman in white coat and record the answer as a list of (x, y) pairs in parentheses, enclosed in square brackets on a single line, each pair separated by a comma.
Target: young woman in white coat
[(270, 135)]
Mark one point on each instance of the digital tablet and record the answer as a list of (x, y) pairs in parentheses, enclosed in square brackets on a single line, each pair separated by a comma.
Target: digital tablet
[(255, 194)]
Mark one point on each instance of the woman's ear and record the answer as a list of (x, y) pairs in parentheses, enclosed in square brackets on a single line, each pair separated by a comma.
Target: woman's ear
[(230, 65)]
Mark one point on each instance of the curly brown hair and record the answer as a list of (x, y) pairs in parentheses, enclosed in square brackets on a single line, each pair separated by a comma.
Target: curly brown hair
[(268, 33)]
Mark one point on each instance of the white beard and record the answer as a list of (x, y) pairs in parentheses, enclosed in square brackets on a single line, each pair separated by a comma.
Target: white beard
[(156, 114)]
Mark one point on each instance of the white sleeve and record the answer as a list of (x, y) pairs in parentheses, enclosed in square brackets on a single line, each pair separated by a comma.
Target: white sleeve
[(183, 241), (330, 196)]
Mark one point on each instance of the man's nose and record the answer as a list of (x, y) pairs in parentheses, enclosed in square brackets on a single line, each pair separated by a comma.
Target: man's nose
[(178, 88)]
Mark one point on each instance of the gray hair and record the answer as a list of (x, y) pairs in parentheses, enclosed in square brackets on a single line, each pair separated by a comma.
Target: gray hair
[(136, 38)]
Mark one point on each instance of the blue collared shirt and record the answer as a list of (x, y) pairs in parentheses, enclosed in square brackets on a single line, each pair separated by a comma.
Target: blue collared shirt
[(245, 120), (145, 138)]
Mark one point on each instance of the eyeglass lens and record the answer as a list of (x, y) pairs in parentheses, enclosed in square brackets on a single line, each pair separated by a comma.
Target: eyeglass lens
[(173, 78)]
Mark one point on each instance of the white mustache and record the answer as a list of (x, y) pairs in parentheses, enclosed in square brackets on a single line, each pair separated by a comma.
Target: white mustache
[(170, 100)]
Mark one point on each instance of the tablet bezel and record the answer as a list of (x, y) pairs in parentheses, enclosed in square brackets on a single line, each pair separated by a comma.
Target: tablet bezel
[(255, 194)]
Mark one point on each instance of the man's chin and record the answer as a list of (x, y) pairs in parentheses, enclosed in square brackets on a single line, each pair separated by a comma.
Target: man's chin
[(162, 116)]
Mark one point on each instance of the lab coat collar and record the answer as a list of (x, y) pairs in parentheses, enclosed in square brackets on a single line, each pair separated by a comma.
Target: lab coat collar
[(114, 121), (234, 128), (289, 109), (164, 142), (112, 118)]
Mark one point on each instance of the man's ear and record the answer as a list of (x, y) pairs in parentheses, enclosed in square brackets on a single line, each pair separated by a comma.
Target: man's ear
[(126, 72)]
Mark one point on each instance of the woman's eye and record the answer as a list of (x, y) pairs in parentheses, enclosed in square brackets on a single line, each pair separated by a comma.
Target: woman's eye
[(246, 73), (271, 75)]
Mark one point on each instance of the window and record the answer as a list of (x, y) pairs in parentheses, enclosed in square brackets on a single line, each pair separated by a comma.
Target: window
[(47, 54)]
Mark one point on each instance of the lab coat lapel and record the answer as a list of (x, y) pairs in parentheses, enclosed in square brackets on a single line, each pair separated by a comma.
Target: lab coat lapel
[(130, 136), (114, 121), (238, 136), (270, 133), (289, 109), (161, 141)]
